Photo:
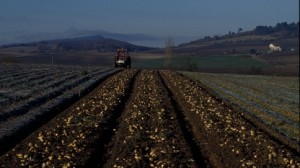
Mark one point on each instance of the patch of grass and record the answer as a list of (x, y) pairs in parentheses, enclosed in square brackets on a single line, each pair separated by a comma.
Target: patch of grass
[(10, 59), (148, 63), (183, 62)]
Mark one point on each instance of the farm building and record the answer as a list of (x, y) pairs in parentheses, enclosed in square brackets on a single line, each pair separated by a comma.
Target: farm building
[(274, 48)]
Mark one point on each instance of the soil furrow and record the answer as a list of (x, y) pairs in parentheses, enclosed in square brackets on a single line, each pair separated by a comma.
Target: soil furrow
[(145, 118), (69, 139), (258, 122), (149, 134), (19, 128), (227, 139), (186, 129), (100, 148)]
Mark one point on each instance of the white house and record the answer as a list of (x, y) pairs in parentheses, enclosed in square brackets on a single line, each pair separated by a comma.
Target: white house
[(274, 48)]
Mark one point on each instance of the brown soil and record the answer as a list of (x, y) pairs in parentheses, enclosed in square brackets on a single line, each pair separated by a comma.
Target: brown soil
[(150, 119)]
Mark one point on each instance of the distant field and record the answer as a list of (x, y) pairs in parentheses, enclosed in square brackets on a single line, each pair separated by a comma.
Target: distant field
[(275, 100), (183, 62), (67, 58), (285, 63)]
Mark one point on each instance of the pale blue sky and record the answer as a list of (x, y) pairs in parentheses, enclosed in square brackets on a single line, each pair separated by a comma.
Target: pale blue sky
[(190, 18)]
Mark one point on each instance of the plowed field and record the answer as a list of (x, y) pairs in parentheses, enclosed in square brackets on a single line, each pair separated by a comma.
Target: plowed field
[(149, 118)]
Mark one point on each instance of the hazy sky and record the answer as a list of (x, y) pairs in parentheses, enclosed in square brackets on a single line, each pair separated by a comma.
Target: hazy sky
[(193, 18)]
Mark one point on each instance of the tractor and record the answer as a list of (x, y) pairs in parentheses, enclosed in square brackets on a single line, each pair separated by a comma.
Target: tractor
[(122, 59)]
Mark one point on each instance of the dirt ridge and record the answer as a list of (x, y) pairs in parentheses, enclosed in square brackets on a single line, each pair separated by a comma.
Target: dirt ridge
[(150, 118), (186, 129), (11, 140), (276, 135), (225, 129), (149, 129)]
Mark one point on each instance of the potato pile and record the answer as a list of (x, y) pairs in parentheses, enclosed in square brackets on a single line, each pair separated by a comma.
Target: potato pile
[(149, 134), (68, 140), (150, 118)]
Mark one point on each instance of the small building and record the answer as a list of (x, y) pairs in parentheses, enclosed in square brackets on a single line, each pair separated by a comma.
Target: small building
[(274, 48)]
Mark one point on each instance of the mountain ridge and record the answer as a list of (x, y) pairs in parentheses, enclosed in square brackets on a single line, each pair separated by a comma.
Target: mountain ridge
[(95, 42)]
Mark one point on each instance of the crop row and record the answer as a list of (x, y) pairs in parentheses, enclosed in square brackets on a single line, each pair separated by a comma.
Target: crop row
[(70, 139), (224, 129), (275, 100), (24, 114), (32, 83), (20, 71), (13, 89), (138, 119), (47, 92), (149, 134)]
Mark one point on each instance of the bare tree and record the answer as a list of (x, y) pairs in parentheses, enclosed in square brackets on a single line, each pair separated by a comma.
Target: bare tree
[(168, 52), (54, 49)]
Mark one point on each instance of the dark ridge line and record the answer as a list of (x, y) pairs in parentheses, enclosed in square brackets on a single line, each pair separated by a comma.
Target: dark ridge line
[(8, 142), (98, 158), (185, 127)]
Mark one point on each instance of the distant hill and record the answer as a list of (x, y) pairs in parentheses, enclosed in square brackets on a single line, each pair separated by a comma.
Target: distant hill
[(283, 34), (242, 52), (98, 43), (89, 43)]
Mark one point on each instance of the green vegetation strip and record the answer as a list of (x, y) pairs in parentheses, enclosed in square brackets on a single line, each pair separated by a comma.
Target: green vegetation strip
[(194, 62)]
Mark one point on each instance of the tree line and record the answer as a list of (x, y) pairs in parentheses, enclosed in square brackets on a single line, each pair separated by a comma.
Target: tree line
[(280, 27)]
